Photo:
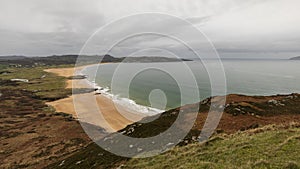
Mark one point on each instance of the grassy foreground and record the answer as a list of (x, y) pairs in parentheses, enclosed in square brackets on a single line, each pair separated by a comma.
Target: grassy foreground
[(267, 147)]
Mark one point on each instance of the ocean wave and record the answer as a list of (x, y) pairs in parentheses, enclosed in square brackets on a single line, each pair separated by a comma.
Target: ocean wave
[(127, 103)]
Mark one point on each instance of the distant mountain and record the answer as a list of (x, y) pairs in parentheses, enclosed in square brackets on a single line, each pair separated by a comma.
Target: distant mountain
[(83, 59), (55, 60), (295, 58), (12, 57), (72, 59), (149, 59)]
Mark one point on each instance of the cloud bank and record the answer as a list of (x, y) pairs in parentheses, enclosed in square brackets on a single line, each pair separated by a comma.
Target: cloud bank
[(237, 28)]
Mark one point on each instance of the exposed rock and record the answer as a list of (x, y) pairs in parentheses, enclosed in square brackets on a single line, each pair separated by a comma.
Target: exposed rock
[(170, 144), (20, 80), (273, 101), (139, 149), (78, 162), (62, 163)]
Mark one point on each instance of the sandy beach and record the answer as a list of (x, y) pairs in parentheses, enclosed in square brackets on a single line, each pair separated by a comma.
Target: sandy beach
[(94, 109)]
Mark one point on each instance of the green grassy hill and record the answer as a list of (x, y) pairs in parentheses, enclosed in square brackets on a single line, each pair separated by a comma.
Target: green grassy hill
[(267, 147)]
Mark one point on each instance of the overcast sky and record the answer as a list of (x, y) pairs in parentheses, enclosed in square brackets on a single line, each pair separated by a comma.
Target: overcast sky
[(237, 28)]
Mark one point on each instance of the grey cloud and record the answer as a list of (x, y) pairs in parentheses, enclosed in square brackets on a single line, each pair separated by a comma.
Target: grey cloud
[(235, 27)]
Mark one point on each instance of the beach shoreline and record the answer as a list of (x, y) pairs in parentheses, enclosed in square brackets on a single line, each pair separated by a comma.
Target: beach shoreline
[(104, 113)]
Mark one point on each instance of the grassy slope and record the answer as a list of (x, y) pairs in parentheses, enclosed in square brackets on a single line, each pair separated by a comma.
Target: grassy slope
[(32, 134), (2, 67), (270, 147), (51, 87)]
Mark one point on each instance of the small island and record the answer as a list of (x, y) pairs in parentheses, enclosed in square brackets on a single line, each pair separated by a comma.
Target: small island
[(295, 58)]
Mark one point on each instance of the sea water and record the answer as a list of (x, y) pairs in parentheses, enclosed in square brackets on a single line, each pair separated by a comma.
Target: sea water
[(132, 84)]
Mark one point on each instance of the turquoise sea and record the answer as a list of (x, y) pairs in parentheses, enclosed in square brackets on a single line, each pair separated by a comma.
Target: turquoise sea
[(159, 85)]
